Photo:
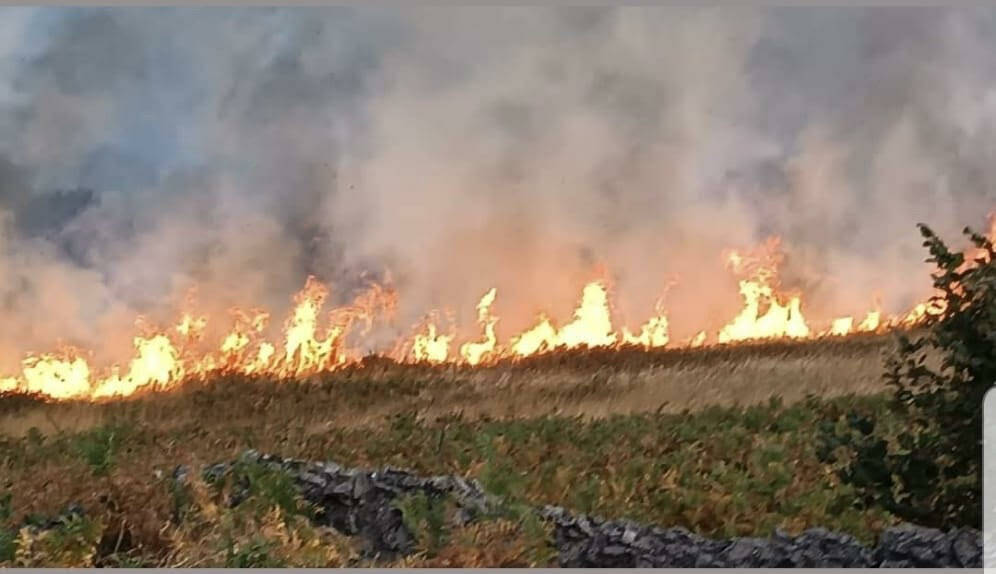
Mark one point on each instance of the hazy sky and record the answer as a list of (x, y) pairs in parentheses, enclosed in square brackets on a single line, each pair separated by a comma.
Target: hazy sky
[(241, 149)]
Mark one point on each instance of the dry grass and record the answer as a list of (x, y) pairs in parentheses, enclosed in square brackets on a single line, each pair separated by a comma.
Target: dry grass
[(593, 383), (654, 436)]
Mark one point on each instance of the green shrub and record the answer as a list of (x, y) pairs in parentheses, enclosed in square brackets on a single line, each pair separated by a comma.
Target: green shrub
[(268, 487), (8, 538), (498, 476), (256, 554), (425, 518), (71, 542), (97, 447), (929, 471)]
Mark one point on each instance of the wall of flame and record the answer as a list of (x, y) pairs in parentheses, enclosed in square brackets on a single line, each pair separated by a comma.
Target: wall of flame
[(316, 340)]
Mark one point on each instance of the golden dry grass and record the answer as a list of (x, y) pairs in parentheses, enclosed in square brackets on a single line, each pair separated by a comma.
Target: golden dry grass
[(593, 383), (633, 433)]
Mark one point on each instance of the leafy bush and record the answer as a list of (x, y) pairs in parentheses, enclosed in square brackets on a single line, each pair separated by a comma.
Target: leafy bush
[(498, 475), (8, 539), (490, 543), (268, 488), (97, 447), (263, 530), (255, 554), (425, 518), (929, 471), (71, 542)]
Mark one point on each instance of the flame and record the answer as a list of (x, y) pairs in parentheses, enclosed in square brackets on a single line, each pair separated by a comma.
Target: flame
[(474, 353), (311, 342), (976, 254), (871, 322), (376, 301), (698, 340), (779, 319), (918, 314), (542, 337), (591, 327), (235, 345), (8, 384), (157, 364), (841, 326), (303, 351), (653, 333), (191, 327), (430, 346), (60, 377)]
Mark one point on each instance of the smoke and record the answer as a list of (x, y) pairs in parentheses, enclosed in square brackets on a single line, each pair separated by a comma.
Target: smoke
[(238, 150)]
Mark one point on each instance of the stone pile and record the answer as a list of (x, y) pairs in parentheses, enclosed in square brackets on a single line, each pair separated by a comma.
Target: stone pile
[(362, 503)]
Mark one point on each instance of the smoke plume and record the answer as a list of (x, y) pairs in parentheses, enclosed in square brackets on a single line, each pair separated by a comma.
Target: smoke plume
[(239, 150)]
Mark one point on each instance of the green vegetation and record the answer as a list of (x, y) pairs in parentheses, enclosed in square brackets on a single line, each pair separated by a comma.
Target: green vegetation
[(425, 517), (928, 470), (8, 546), (719, 471), (733, 441), (97, 447)]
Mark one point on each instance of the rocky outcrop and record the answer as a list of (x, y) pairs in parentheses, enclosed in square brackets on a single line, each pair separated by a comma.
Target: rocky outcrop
[(362, 503), (583, 541)]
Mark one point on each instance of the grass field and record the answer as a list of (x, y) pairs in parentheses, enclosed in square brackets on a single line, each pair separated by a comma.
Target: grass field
[(722, 441)]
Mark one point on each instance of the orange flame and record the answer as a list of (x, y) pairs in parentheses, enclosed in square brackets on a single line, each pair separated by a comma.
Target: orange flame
[(779, 319), (474, 353), (162, 359), (430, 346), (591, 327), (653, 333), (698, 340)]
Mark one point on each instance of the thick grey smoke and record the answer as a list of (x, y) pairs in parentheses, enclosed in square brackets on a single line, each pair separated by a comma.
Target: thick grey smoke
[(242, 149)]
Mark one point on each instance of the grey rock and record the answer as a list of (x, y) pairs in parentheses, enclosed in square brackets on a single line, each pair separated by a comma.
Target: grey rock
[(363, 503), (967, 548)]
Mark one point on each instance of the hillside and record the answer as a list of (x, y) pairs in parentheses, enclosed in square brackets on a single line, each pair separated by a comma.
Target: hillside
[(722, 441)]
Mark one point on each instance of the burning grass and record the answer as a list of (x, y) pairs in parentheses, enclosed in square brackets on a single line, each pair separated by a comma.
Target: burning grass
[(311, 344), (593, 383), (682, 437)]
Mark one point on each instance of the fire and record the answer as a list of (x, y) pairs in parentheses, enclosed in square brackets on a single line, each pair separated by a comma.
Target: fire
[(698, 340), (542, 337), (8, 384), (430, 346), (235, 345), (871, 322), (234, 342), (653, 333), (302, 350), (977, 253), (58, 377), (591, 327), (191, 327), (157, 364), (315, 340), (779, 319), (474, 353), (841, 326)]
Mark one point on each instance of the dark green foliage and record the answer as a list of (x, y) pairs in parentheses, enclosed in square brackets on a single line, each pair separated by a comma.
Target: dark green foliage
[(98, 447), (929, 470), (8, 538), (181, 499), (498, 475), (425, 518), (75, 533), (267, 487), (253, 555)]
